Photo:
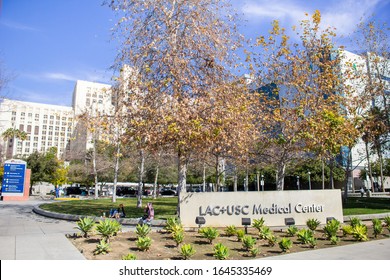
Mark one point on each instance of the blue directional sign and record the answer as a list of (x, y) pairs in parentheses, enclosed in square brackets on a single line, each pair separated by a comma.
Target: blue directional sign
[(13, 179)]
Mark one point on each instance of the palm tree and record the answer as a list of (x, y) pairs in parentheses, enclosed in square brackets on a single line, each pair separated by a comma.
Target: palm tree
[(12, 133)]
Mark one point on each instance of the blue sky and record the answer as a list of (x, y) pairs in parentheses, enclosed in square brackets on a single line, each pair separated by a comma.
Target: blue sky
[(46, 45)]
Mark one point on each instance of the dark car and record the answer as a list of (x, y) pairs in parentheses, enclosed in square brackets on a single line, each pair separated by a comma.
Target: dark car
[(167, 192), (126, 192)]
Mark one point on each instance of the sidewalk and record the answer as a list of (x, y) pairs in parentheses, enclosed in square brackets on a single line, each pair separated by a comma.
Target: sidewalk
[(25, 235)]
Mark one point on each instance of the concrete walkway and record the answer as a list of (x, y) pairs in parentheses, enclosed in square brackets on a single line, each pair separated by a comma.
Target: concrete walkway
[(25, 235)]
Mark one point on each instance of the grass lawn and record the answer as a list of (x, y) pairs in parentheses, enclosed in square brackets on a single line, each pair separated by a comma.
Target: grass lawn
[(366, 205), (166, 206), (163, 207)]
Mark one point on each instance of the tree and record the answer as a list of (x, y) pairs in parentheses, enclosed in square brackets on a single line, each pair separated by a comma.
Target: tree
[(10, 135), (178, 52)]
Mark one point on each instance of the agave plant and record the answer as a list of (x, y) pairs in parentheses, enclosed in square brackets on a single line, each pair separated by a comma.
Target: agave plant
[(285, 244), (102, 248), (331, 228), (86, 225), (355, 221), (221, 252), (305, 236), (144, 243), (292, 230), (240, 233), (106, 228), (142, 230), (312, 224), (258, 223), (129, 257), (272, 240), (230, 230), (187, 251), (209, 233), (172, 224), (265, 232), (347, 230), (360, 232), (248, 242), (178, 237), (377, 227)]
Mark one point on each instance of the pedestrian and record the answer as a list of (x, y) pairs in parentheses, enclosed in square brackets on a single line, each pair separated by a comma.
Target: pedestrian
[(149, 214)]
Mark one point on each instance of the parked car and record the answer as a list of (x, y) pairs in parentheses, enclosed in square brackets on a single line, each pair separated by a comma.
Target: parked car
[(168, 192)]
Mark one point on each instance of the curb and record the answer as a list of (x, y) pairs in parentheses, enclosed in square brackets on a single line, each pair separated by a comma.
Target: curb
[(69, 217)]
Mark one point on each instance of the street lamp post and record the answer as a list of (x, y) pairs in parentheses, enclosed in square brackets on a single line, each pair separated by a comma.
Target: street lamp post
[(309, 180), (298, 182)]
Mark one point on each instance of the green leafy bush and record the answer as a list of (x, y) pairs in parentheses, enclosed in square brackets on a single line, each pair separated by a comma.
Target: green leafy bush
[(331, 228), (248, 242), (387, 221), (264, 232), (240, 233), (312, 224), (360, 232), (305, 236), (209, 233), (144, 243), (142, 230), (173, 224), (258, 223), (85, 225), (117, 227), (347, 230), (178, 237), (221, 252), (292, 230), (285, 244), (272, 240), (102, 248), (334, 240), (355, 221), (106, 228), (231, 230), (129, 257), (377, 227), (187, 251)]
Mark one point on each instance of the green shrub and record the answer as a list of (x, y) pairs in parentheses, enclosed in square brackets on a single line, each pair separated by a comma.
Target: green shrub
[(187, 251), (248, 242), (85, 225), (387, 221), (334, 240), (355, 221), (230, 230), (144, 243), (313, 224), (129, 257), (285, 244), (240, 233), (347, 230), (360, 232), (178, 237), (102, 248), (272, 240), (106, 228), (331, 228), (254, 251), (172, 224), (142, 230), (305, 236), (221, 252), (292, 230), (258, 223), (209, 233), (117, 227), (377, 227), (264, 232)]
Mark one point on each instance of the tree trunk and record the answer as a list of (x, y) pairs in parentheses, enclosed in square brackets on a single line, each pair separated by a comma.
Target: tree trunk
[(369, 167), (204, 177), (155, 182), (323, 174), (140, 178), (116, 170), (94, 167), (182, 182), (280, 177)]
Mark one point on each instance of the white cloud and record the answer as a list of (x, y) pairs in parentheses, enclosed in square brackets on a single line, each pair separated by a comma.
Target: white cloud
[(59, 76), (18, 26), (343, 15)]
